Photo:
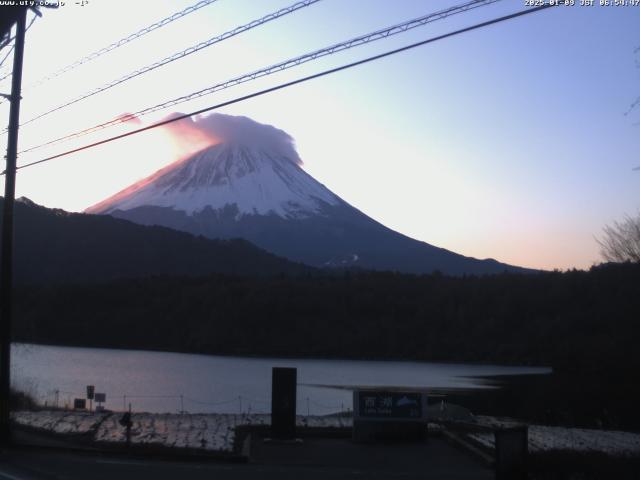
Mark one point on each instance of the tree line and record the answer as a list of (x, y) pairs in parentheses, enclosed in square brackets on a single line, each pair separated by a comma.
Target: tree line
[(568, 320)]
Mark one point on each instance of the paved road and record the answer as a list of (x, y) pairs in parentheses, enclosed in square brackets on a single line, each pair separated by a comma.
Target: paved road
[(314, 459)]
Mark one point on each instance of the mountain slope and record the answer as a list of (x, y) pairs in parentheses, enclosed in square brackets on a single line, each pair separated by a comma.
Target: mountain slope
[(258, 181), (340, 237), (54, 246), (253, 187)]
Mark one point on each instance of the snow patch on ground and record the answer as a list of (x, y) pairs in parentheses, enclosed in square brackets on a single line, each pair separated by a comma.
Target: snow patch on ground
[(544, 438), (210, 432), (217, 432), (60, 421)]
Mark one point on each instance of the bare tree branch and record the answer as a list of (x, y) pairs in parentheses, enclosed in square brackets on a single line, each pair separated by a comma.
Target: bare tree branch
[(621, 241)]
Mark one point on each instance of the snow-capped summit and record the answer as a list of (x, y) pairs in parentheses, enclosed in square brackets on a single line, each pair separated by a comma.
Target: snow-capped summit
[(249, 183), (256, 180)]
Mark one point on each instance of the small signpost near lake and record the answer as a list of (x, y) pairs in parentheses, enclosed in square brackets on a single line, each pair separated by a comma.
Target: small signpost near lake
[(100, 398), (90, 391), (389, 415)]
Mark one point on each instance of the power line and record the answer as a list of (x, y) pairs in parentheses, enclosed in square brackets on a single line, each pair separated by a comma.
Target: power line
[(124, 41), (4, 59), (295, 82), (13, 46), (181, 54), (338, 47), (354, 42), (7, 41)]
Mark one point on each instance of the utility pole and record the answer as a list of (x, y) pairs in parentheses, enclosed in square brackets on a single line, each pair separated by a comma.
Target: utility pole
[(6, 255)]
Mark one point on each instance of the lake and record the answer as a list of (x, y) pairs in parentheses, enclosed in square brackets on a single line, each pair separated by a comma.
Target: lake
[(172, 382)]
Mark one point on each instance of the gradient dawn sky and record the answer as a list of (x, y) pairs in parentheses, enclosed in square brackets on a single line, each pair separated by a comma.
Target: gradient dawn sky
[(509, 142)]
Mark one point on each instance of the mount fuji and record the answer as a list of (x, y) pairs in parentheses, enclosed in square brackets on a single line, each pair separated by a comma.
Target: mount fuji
[(250, 184)]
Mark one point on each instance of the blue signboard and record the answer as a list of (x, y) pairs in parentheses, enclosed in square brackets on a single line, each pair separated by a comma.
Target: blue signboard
[(390, 405)]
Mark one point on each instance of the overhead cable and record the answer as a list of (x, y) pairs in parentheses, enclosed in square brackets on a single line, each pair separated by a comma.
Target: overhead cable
[(330, 50), (124, 41), (294, 82), (178, 55), (13, 46)]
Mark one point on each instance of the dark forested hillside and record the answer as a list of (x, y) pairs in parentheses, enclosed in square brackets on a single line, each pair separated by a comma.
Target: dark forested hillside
[(54, 246), (583, 324), (568, 320)]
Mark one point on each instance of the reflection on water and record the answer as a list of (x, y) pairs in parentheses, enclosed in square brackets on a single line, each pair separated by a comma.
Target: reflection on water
[(171, 382)]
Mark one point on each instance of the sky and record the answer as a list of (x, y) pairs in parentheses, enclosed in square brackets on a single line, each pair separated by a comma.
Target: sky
[(509, 142)]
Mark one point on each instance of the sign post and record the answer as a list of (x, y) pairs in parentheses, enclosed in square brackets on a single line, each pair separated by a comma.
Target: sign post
[(100, 398), (126, 422), (90, 392)]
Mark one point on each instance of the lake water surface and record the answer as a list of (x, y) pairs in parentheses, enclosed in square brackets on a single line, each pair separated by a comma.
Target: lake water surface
[(171, 382)]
